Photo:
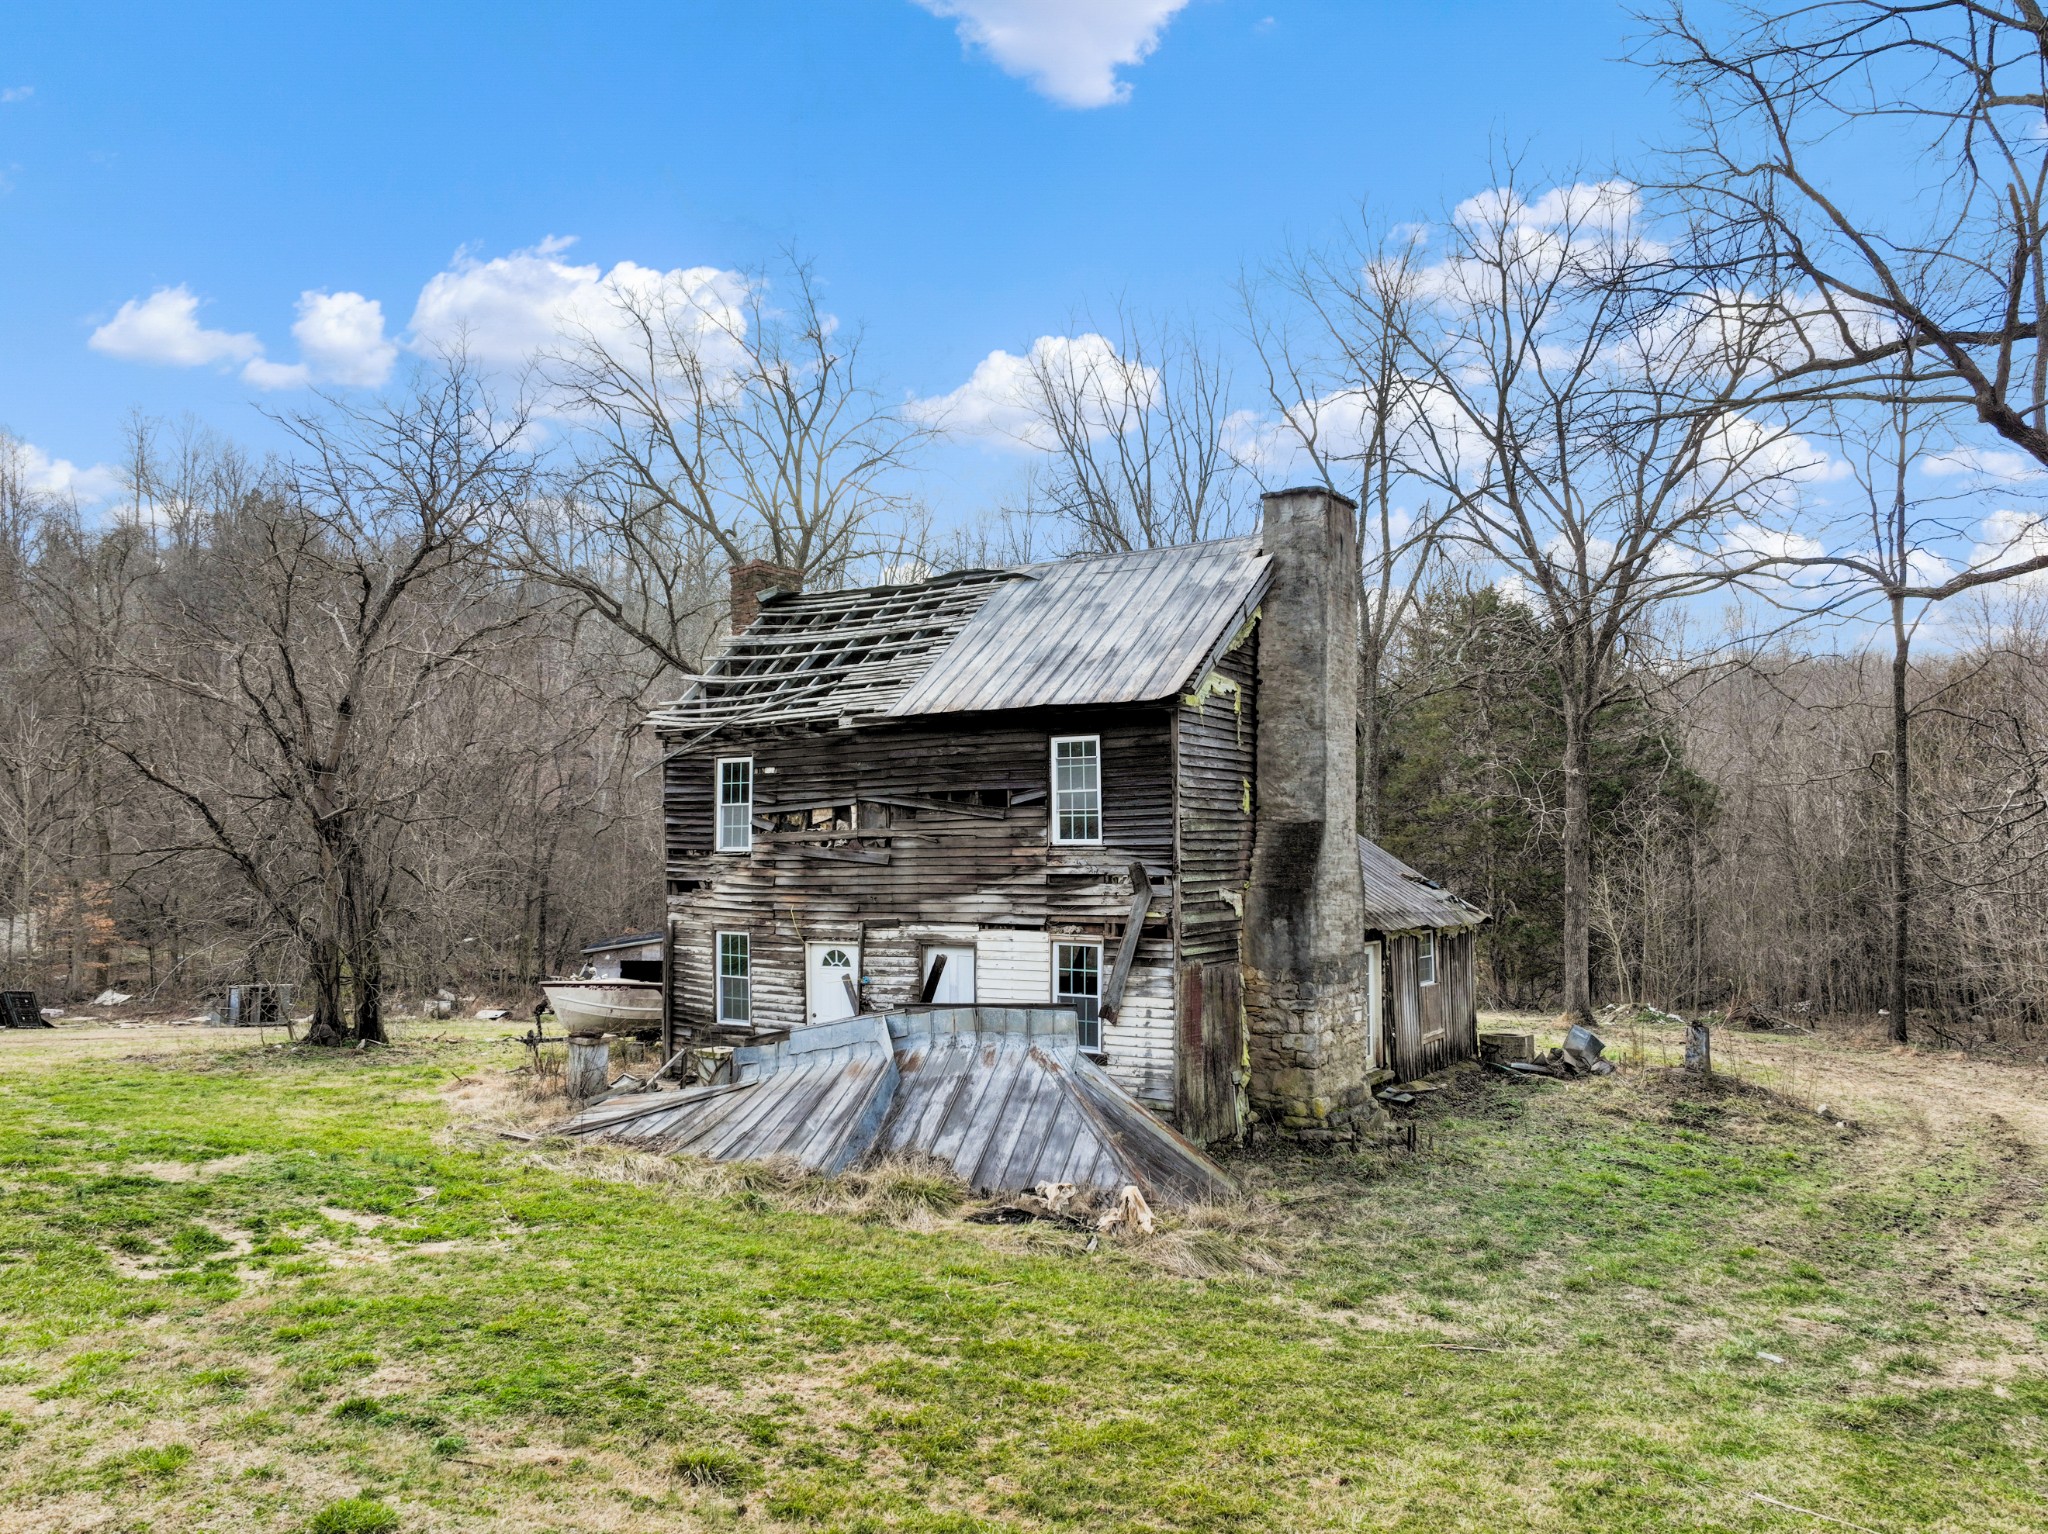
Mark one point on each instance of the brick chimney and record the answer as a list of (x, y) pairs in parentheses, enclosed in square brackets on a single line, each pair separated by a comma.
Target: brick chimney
[(754, 579), (1307, 987)]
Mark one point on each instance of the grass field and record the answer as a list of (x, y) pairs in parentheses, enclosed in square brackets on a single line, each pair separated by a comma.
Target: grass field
[(261, 1288)]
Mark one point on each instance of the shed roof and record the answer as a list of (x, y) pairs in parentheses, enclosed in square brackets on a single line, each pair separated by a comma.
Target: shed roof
[(631, 940), (1109, 628), (1398, 899)]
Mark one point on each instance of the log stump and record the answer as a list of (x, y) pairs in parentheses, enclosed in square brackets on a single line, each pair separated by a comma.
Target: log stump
[(590, 1066)]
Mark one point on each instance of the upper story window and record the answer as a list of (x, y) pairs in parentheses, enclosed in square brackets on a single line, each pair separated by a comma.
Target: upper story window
[(735, 803), (1425, 959), (1076, 789)]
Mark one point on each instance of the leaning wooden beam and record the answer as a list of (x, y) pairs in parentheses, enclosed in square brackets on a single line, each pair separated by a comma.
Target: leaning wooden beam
[(1141, 901)]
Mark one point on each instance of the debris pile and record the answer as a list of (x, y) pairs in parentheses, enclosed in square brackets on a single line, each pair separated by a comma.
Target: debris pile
[(1065, 1203), (1580, 1055)]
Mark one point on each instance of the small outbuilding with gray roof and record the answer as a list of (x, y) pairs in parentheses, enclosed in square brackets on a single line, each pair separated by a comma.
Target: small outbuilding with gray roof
[(1427, 939)]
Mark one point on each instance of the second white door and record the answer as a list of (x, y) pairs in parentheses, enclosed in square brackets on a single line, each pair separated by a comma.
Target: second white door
[(831, 981)]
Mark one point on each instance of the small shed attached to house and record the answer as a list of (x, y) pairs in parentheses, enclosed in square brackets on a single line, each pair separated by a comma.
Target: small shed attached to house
[(1428, 939), (637, 957)]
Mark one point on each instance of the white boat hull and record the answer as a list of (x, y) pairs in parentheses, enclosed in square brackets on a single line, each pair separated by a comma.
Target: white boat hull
[(604, 1006)]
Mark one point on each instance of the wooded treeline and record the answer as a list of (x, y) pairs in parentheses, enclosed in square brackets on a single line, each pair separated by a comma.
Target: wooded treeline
[(1702, 602)]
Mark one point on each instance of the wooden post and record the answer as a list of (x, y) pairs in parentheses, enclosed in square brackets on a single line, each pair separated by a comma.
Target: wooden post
[(1699, 1049), (590, 1067), (668, 984)]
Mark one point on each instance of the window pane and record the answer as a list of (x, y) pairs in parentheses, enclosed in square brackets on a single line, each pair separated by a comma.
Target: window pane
[(735, 804), (1077, 983), (1077, 790), (735, 976)]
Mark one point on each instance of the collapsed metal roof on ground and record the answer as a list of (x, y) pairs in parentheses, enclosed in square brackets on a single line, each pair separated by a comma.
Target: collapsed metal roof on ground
[(1109, 628), (1398, 899), (1002, 1094)]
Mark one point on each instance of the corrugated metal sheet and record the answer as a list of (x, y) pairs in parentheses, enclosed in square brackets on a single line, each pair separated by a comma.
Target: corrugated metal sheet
[(1112, 628), (1003, 1094), (1398, 899)]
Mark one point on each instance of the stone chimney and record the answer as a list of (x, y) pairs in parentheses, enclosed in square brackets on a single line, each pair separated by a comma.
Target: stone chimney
[(751, 581), (1307, 988)]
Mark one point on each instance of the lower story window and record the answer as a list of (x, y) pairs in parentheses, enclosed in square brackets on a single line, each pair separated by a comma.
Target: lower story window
[(735, 977), (1077, 983)]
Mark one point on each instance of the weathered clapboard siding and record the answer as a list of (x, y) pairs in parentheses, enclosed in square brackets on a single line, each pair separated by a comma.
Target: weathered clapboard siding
[(1431, 1025), (917, 874), (935, 856), (1215, 736)]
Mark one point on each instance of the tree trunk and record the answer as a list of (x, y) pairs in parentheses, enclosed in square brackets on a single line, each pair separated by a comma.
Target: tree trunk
[(1578, 867), (323, 966), (365, 949), (366, 961), (1369, 743), (1902, 826)]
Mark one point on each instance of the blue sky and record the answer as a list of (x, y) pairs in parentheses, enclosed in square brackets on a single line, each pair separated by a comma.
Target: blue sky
[(967, 175)]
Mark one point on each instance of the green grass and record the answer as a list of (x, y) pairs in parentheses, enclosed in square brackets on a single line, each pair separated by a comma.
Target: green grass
[(261, 1289)]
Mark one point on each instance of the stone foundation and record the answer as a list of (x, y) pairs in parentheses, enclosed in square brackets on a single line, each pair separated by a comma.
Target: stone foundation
[(1311, 1079)]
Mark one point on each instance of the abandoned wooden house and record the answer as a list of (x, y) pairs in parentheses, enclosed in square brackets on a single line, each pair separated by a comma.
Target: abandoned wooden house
[(1121, 784)]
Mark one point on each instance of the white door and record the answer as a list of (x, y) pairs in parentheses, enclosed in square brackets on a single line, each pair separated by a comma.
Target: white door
[(831, 981), (956, 980), (1375, 1009)]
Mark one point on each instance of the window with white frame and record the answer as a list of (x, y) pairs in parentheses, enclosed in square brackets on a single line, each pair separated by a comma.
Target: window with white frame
[(1076, 789), (1077, 983), (1425, 959), (735, 977), (735, 803)]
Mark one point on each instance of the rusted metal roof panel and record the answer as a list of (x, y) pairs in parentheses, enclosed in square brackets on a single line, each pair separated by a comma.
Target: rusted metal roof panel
[(1111, 628), (1398, 899)]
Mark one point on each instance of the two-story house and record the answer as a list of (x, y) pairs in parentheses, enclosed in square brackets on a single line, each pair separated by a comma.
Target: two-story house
[(1119, 783)]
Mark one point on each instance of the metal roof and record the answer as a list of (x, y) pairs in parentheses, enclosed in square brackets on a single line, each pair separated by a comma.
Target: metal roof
[(1112, 628), (1398, 899), (1003, 1094), (635, 940), (1107, 628)]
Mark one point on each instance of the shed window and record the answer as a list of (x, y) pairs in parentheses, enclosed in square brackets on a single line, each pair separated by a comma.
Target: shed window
[(1077, 983), (735, 803), (1076, 789), (735, 977), (1425, 959)]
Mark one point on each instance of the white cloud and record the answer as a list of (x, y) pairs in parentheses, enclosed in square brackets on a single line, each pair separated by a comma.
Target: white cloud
[(341, 339), (1004, 397), (1609, 205), (164, 328), (506, 311), (61, 477), (13, 93), (340, 335), (1069, 50), (265, 374), (2000, 464)]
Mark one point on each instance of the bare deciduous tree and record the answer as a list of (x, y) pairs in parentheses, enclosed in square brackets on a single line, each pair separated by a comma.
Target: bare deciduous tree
[(277, 697), (721, 422), (1131, 429), (1592, 446), (1944, 256)]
